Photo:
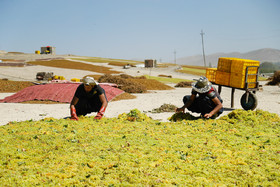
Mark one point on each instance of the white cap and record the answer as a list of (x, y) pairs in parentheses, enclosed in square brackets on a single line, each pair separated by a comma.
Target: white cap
[(89, 81)]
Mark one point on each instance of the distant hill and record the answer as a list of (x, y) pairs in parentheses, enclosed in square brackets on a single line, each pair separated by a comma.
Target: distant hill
[(262, 55)]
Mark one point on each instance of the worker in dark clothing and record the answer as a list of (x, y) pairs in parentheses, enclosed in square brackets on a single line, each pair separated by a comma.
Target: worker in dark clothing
[(204, 99), (89, 97)]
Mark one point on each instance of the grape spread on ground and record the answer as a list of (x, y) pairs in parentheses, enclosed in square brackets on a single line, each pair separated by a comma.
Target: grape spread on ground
[(239, 149)]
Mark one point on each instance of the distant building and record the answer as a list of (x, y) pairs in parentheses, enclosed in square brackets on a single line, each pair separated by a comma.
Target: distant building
[(48, 50), (149, 63)]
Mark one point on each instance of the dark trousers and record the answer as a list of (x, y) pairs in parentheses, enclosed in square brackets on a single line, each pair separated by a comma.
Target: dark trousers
[(86, 106), (202, 105)]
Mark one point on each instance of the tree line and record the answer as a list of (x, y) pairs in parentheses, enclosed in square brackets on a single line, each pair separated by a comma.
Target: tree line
[(269, 67)]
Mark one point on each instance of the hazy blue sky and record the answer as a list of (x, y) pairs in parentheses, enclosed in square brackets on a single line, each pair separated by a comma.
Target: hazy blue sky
[(139, 29)]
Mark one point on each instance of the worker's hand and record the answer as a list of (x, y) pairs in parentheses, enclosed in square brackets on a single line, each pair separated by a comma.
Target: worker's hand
[(73, 113), (74, 118), (98, 116), (100, 113), (209, 115), (182, 109)]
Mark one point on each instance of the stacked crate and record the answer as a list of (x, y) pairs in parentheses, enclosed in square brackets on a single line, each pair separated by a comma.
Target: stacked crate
[(223, 71), (211, 74), (232, 72), (238, 73)]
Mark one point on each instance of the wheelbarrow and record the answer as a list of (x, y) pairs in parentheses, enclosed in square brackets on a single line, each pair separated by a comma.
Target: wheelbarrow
[(249, 99)]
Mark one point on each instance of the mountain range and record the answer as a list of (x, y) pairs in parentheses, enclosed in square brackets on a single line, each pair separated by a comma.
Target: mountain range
[(262, 55)]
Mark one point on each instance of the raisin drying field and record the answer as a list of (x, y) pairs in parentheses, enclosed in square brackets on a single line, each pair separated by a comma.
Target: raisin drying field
[(239, 149), (13, 86)]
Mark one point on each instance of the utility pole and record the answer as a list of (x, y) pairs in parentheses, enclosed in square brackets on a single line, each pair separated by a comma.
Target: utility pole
[(202, 33), (175, 57)]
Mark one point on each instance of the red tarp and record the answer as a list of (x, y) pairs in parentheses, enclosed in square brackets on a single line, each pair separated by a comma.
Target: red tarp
[(60, 92)]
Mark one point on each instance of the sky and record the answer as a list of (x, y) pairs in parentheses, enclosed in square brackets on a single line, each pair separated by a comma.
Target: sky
[(139, 29)]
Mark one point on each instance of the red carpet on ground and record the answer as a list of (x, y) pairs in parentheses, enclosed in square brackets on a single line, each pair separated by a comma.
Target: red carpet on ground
[(60, 92)]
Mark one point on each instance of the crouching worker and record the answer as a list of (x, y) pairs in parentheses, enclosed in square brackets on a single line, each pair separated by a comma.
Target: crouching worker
[(204, 99), (89, 97)]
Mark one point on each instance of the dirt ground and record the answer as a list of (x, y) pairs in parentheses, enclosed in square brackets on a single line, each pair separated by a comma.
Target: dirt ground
[(268, 97)]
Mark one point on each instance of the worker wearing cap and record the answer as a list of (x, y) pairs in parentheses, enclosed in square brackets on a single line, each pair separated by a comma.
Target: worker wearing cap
[(89, 97), (204, 99)]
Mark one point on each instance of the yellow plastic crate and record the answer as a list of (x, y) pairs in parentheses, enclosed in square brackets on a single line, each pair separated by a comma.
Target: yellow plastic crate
[(224, 64), (240, 65), (211, 74), (75, 80), (56, 77), (237, 80), (222, 78)]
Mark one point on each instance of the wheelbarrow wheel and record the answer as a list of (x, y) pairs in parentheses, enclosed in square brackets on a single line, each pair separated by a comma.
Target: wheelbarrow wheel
[(249, 104)]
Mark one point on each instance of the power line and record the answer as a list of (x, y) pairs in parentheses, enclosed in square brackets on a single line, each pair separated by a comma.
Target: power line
[(175, 57)]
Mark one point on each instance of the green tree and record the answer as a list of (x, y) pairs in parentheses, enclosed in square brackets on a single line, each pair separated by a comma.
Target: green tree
[(267, 67)]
